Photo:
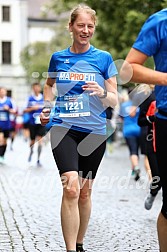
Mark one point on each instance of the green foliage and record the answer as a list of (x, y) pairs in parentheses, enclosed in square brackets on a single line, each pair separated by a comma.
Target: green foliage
[(120, 22), (34, 59), (60, 6), (164, 4), (62, 38), (118, 26)]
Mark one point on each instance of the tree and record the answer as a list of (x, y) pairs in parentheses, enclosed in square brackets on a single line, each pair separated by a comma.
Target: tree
[(118, 26), (35, 57), (120, 22)]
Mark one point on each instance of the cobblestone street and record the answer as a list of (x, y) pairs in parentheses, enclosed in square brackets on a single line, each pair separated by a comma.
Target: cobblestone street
[(30, 199)]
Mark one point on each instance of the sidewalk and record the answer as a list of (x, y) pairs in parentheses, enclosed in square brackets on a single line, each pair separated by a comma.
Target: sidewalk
[(30, 199)]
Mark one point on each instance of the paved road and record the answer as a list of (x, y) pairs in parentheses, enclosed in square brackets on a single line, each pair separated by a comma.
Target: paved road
[(30, 204)]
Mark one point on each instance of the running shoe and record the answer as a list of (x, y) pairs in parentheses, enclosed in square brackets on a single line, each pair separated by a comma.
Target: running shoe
[(149, 201), (79, 248), (39, 164), (133, 173), (137, 173)]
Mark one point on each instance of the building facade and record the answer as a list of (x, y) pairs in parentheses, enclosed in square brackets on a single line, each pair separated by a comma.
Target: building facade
[(21, 23)]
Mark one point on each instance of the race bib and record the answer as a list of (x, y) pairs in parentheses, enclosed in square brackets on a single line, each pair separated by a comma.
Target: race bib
[(74, 105), (3, 116), (36, 118)]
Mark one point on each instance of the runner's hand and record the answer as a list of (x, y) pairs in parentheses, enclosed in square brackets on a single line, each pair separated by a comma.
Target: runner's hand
[(44, 116), (94, 88)]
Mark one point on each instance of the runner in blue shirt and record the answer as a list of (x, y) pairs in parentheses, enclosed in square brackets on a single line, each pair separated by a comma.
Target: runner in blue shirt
[(131, 132), (6, 108), (85, 79), (152, 41), (37, 131)]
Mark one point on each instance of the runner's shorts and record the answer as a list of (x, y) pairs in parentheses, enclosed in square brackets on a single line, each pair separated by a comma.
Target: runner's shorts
[(161, 151), (36, 130), (74, 150)]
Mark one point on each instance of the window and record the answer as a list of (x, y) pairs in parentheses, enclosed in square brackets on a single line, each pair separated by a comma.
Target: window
[(6, 52), (5, 13)]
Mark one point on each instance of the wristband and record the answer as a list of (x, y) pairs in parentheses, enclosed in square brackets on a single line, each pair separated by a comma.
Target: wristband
[(104, 95)]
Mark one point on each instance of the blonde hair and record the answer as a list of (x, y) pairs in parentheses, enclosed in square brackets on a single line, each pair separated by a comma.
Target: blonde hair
[(82, 8), (144, 88), (124, 95)]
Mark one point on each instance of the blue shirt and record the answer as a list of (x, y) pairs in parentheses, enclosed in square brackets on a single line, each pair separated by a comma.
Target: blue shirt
[(34, 115), (75, 108), (130, 124), (4, 114), (152, 41)]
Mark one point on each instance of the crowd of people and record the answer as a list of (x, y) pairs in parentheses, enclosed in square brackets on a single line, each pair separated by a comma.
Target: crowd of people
[(26, 122), (86, 83)]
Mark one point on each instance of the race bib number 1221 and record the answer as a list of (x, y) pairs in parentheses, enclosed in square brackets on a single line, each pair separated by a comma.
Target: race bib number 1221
[(74, 105)]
